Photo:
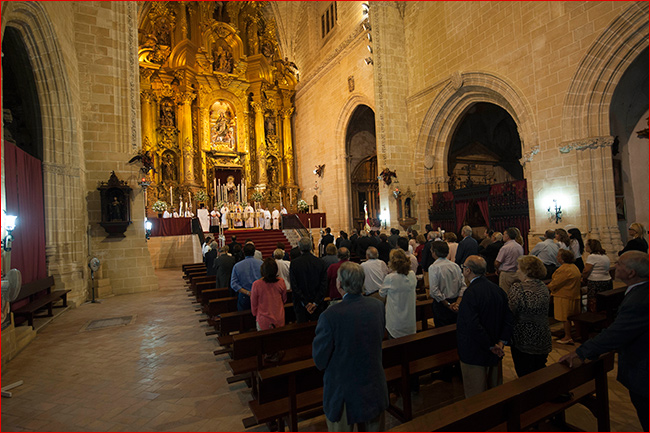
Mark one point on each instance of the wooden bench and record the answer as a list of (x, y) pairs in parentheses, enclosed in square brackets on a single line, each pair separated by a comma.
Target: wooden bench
[(40, 296), (525, 402), (286, 390), (607, 304)]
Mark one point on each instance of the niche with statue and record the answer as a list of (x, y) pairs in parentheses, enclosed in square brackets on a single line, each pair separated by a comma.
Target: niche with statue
[(115, 198), (405, 203)]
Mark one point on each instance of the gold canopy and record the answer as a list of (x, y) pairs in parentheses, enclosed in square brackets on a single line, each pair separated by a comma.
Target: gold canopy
[(217, 100)]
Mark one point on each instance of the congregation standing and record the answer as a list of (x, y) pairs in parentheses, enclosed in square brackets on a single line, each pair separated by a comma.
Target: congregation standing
[(495, 294)]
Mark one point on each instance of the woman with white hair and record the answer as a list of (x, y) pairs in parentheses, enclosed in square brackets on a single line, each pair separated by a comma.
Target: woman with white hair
[(637, 241)]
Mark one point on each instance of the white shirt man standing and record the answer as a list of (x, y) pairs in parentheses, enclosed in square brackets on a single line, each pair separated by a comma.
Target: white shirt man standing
[(446, 285), (506, 262), (375, 271)]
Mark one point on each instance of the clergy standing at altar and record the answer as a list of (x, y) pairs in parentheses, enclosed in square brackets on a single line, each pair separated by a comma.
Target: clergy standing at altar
[(267, 219), (260, 218), (276, 219), (215, 218), (166, 214), (249, 214), (224, 217), (204, 218), (239, 211)]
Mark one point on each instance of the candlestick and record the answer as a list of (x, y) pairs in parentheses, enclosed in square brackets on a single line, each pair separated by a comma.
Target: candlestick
[(214, 188), (321, 223), (171, 197)]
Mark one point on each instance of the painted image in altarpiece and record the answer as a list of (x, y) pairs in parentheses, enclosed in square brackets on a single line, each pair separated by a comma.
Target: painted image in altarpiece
[(223, 126)]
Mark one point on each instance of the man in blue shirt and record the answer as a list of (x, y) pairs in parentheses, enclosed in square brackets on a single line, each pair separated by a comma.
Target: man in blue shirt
[(244, 274)]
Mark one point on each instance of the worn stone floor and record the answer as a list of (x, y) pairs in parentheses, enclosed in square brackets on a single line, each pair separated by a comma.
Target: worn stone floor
[(159, 374)]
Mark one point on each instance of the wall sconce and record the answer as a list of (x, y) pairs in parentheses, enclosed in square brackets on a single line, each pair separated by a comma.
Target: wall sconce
[(365, 8), (147, 229), (9, 224), (555, 212), (384, 217)]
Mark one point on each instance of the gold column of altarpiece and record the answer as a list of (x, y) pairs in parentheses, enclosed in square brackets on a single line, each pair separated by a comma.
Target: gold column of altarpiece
[(216, 97)]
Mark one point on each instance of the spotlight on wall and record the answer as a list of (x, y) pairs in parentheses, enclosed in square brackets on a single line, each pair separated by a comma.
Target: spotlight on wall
[(368, 60), (9, 224), (147, 229), (555, 212)]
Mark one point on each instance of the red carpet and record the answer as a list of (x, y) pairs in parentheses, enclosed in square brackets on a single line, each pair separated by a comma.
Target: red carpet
[(264, 240)]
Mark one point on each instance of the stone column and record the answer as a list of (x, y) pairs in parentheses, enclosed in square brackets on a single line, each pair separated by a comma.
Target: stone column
[(288, 146), (596, 186), (186, 140), (260, 143), (390, 88)]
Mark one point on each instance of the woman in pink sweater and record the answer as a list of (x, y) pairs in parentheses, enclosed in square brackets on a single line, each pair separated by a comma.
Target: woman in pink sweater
[(268, 296)]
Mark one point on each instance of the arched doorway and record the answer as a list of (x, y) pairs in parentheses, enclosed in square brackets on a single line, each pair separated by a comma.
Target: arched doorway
[(361, 148), (23, 153), (486, 186), (628, 115)]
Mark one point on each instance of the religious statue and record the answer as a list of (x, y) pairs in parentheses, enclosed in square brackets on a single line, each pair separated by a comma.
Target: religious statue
[(115, 210), (222, 60), (231, 189), (269, 125), (253, 37), (167, 116), (222, 128), (168, 167)]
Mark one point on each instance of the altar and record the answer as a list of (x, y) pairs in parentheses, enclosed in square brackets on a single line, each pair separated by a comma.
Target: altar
[(170, 226)]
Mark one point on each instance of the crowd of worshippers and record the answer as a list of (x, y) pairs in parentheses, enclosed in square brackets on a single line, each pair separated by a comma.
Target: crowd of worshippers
[(357, 305)]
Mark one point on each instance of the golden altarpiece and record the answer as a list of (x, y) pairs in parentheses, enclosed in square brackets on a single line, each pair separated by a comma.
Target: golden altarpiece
[(217, 101)]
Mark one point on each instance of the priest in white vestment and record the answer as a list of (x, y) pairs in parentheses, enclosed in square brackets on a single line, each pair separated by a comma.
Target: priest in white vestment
[(204, 218), (239, 214), (276, 219), (260, 217), (167, 214), (224, 216), (267, 219), (249, 215), (215, 217)]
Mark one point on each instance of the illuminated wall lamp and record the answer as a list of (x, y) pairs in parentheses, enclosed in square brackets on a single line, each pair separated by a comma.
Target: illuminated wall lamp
[(147, 229), (9, 224), (555, 212)]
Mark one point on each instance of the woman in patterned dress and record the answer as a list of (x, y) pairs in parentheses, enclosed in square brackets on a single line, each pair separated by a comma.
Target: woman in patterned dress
[(529, 301)]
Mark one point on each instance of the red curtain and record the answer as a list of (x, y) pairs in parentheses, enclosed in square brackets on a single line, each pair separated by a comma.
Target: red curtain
[(483, 206), (24, 196), (461, 211)]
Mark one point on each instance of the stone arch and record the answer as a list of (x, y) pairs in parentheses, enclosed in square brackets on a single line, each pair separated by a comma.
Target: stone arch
[(457, 95), (63, 163), (586, 106), (345, 198)]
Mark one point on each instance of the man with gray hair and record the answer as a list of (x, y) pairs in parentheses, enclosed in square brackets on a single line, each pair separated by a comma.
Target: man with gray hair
[(343, 255), (348, 346), (308, 278), (628, 335), (467, 247), (375, 271), (223, 267), (483, 328), (283, 267), (546, 251)]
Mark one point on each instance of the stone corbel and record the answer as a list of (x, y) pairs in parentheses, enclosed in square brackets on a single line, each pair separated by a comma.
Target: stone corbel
[(586, 143), (528, 156)]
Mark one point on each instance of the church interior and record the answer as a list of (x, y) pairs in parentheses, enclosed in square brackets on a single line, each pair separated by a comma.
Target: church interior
[(349, 115)]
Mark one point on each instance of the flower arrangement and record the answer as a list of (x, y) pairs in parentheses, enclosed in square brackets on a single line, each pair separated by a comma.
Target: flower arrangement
[(159, 206), (303, 206), (200, 196), (257, 196)]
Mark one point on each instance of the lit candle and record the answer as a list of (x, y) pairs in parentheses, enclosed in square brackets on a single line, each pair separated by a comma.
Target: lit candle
[(309, 219), (321, 222), (214, 187), (171, 197)]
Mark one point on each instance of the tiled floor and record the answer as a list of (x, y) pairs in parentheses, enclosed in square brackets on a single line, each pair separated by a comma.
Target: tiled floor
[(159, 374)]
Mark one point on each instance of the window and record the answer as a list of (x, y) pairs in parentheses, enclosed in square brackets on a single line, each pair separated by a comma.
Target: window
[(328, 19)]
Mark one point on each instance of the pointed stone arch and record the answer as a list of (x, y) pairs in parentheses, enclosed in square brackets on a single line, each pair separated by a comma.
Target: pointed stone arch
[(460, 92), (63, 162)]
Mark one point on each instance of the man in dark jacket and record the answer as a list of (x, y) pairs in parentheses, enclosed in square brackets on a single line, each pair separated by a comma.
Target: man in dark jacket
[(628, 334), (348, 346), (467, 247), (327, 239), (490, 252), (233, 242), (392, 239), (384, 248), (363, 243), (308, 276), (223, 267), (209, 258), (483, 328)]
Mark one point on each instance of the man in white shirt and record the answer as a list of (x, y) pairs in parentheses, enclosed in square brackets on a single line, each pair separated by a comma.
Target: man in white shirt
[(546, 251), (283, 267), (276, 219), (249, 215), (375, 271), (506, 262), (403, 243), (446, 285), (206, 245), (283, 210)]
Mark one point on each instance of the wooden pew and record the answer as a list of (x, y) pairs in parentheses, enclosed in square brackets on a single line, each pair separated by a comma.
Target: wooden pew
[(289, 389), (607, 304), (524, 402), (40, 296)]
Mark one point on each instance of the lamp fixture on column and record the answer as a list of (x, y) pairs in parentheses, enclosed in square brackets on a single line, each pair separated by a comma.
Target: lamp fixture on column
[(555, 212), (9, 224)]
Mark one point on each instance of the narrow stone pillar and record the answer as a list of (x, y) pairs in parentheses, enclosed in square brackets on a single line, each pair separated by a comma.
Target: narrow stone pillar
[(148, 101)]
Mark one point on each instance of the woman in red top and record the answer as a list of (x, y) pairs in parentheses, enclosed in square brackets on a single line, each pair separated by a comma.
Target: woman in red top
[(268, 296)]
